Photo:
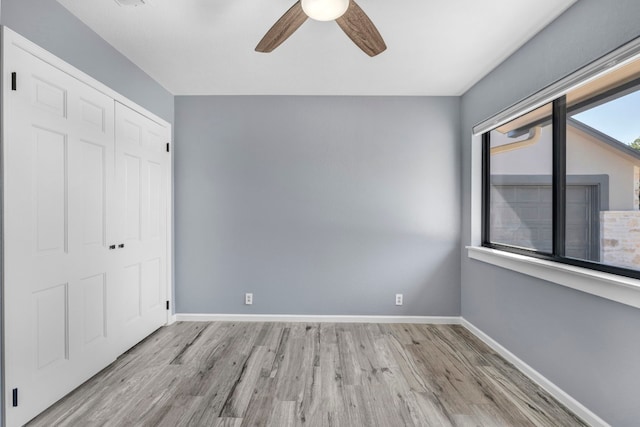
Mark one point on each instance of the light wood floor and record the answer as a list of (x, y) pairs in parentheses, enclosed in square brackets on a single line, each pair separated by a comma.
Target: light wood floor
[(286, 374)]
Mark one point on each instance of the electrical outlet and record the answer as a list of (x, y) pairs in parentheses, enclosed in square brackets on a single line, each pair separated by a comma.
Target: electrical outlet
[(398, 299), (248, 299)]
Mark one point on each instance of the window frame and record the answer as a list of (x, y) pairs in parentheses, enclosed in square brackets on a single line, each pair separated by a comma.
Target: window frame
[(617, 57), (559, 186)]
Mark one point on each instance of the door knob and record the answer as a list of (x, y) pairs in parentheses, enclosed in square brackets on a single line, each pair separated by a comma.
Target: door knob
[(112, 247), (121, 245)]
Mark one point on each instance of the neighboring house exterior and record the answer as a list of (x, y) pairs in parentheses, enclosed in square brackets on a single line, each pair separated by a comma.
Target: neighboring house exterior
[(603, 184)]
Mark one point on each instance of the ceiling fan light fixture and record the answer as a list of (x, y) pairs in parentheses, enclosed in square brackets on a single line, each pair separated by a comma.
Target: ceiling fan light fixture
[(325, 10)]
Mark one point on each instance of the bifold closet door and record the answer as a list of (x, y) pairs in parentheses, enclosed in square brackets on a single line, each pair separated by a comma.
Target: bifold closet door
[(142, 167), (59, 274)]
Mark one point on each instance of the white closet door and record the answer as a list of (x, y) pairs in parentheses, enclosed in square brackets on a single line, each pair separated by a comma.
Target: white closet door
[(142, 167), (58, 192)]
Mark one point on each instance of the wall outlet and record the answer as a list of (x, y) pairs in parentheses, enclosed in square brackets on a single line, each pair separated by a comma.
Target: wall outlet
[(248, 299), (398, 299)]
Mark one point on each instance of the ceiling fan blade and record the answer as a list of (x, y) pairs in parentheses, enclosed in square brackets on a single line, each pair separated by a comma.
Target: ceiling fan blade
[(357, 25), (282, 29)]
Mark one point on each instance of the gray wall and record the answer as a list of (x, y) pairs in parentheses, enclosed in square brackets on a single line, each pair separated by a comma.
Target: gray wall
[(588, 346), (317, 205), (48, 24)]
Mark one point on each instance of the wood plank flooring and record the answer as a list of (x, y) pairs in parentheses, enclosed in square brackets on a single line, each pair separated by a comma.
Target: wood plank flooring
[(226, 374)]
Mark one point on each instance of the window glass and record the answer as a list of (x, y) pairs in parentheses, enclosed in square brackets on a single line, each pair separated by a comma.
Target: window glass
[(603, 170), (520, 182)]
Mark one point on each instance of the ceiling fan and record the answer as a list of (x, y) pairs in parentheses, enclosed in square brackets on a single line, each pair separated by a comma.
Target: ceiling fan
[(349, 16)]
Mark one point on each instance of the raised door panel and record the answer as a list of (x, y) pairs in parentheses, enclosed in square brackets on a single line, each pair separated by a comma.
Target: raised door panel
[(131, 133), (92, 193), (51, 327), (50, 172), (49, 94), (93, 115), (132, 285), (94, 294), (154, 201), (156, 140), (152, 284), (132, 197)]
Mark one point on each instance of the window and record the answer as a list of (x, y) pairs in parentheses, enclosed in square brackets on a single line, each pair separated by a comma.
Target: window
[(520, 187), (562, 182)]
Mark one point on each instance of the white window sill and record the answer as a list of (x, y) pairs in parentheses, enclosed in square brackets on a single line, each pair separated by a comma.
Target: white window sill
[(621, 289)]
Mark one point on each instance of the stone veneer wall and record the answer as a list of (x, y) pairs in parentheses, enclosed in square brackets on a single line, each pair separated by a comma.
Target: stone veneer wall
[(620, 238)]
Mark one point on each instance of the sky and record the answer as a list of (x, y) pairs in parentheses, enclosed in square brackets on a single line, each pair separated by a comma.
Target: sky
[(619, 118)]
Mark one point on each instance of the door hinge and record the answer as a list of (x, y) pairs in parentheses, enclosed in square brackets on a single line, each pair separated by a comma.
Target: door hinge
[(167, 305), (168, 147), (14, 81), (15, 397)]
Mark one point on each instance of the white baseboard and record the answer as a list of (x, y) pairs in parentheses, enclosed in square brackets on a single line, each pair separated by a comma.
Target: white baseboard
[(433, 320), (576, 407), (172, 319)]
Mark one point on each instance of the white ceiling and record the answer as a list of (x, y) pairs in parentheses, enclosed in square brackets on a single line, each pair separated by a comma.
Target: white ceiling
[(206, 47)]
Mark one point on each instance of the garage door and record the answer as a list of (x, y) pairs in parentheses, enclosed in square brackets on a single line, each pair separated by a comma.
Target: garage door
[(521, 215)]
